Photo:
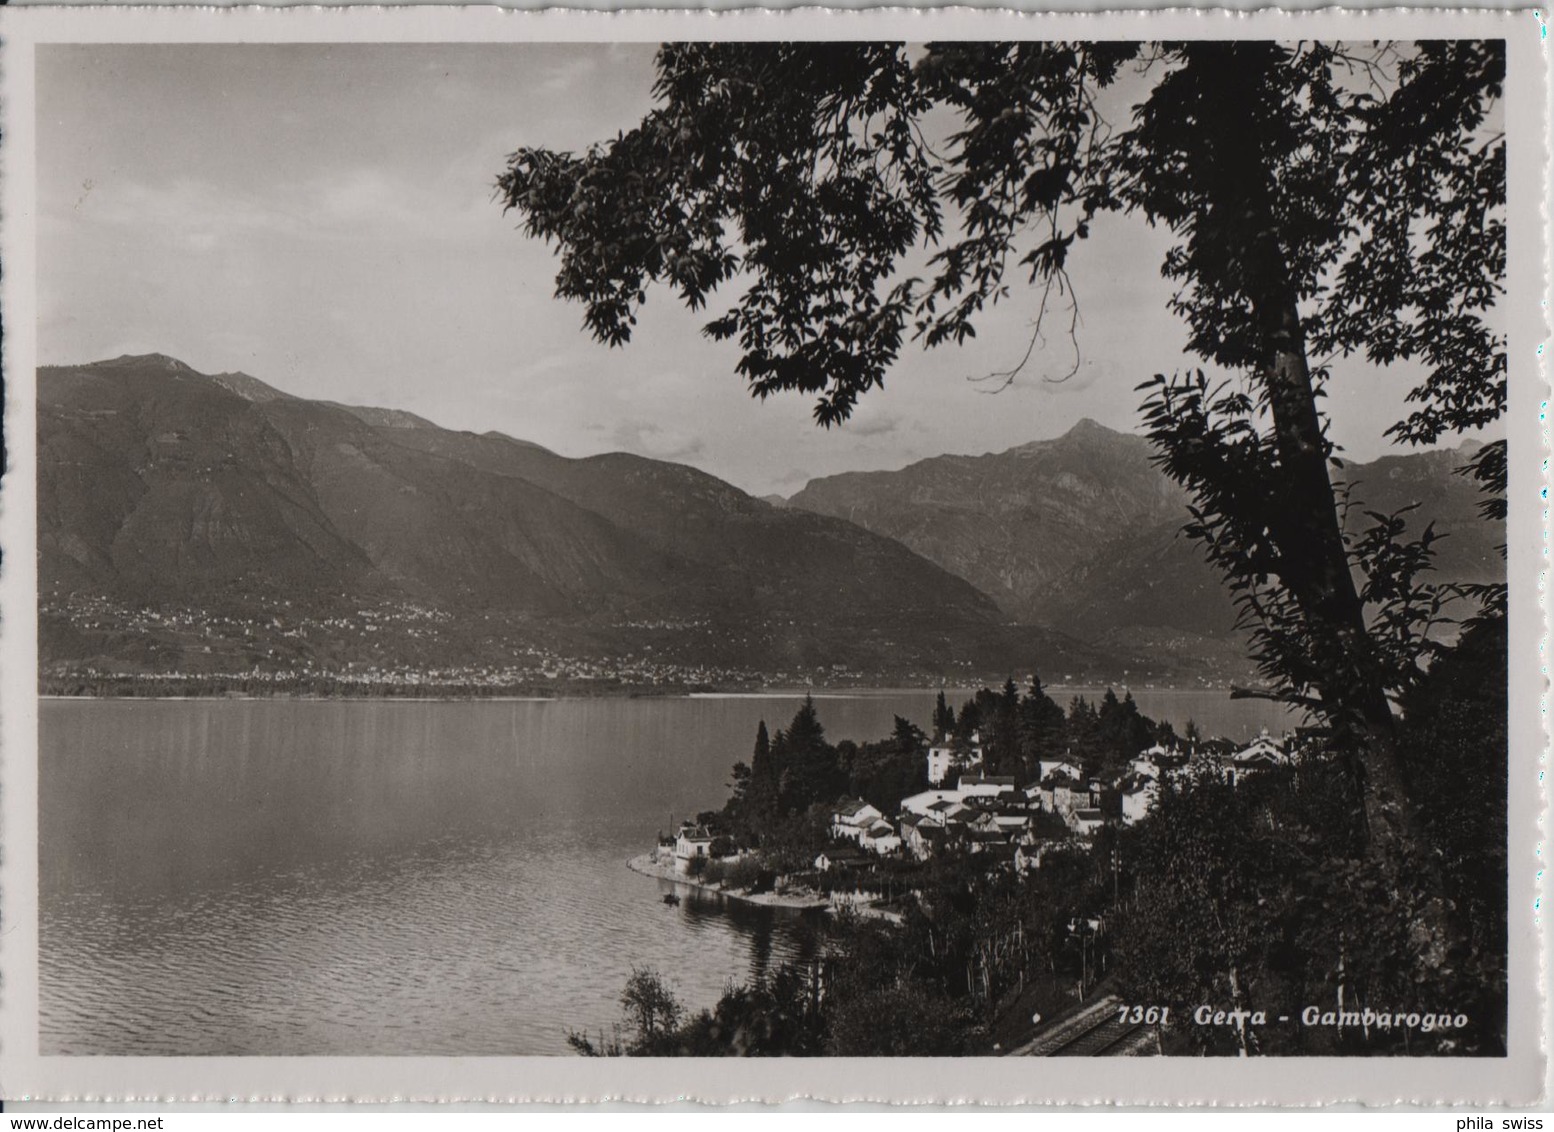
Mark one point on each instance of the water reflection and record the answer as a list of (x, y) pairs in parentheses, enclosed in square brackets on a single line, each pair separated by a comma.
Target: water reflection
[(379, 878)]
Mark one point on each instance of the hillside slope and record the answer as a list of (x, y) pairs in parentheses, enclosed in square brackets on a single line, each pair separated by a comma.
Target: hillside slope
[(162, 487), (1082, 532)]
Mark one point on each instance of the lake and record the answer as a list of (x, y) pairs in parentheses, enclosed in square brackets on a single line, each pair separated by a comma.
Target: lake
[(310, 877)]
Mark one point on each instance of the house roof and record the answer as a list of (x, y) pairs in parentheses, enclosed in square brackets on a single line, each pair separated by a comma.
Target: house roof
[(1088, 815), (1048, 825), (925, 798), (986, 780), (847, 854)]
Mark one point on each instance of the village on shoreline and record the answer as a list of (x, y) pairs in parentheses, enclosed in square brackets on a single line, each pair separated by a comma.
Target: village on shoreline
[(867, 856)]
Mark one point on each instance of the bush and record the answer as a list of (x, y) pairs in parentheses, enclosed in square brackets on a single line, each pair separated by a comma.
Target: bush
[(742, 872)]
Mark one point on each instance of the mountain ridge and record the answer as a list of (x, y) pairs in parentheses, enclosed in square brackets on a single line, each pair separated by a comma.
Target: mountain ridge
[(1124, 566), (159, 485), (163, 487)]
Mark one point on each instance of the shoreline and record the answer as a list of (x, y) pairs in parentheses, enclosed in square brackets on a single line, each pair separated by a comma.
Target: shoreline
[(645, 865), (819, 692)]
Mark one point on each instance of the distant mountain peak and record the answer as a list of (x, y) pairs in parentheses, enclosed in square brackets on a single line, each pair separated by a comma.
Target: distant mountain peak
[(1084, 434), (238, 384), (1088, 431), (199, 500), (147, 361)]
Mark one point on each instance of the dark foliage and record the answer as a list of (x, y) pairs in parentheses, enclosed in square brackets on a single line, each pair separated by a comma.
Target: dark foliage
[(1324, 202)]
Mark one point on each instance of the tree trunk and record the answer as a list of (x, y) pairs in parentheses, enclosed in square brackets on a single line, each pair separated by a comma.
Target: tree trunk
[(1304, 524), (1311, 545)]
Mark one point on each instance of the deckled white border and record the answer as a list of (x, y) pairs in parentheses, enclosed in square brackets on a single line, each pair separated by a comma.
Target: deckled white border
[(1518, 1079)]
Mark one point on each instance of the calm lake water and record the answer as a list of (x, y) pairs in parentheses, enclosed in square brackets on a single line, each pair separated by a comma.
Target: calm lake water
[(295, 877)]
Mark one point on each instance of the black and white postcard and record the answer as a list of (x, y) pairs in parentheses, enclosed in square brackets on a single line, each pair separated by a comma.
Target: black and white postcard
[(541, 550)]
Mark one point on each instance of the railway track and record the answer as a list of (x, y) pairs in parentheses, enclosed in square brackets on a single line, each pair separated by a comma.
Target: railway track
[(1095, 1030)]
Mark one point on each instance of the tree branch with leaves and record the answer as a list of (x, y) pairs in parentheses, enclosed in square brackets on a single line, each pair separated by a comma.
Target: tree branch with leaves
[(1328, 202)]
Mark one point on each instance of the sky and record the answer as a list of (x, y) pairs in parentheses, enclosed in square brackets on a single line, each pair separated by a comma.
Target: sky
[(323, 218)]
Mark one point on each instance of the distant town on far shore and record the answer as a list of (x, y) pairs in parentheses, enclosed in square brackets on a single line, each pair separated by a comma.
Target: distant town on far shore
[(218, 566)]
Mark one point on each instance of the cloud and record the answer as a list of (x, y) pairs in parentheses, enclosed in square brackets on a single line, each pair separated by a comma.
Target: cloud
[(200, 216), (567, 77), (648, 439), (186, 213), (792, 478), (874, 424), (360, 197)]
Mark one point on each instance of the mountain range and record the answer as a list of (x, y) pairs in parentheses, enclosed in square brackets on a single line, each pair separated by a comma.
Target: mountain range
[(163, 487), (1083, 533), (200, 522)]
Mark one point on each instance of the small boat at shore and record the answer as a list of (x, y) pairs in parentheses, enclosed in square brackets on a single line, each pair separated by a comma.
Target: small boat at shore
[(671, 898)]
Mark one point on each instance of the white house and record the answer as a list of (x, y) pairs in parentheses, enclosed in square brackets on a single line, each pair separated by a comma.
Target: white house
[(851, 818), (972, 785), (881, 839), (1262, 753), (1012, 824), (693, 843), (921, 836), (1058, 766), (838, 859), (945, 811), (982, 820), (1084, 822), (944, 760), (1138, 798), (1144, 765), (1061, 793), (941, 760), (1264, 750), (923, 804)]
